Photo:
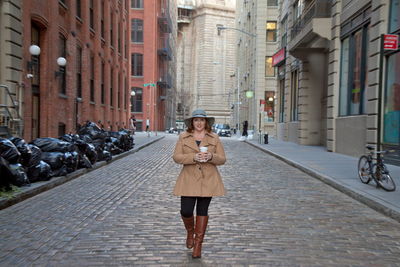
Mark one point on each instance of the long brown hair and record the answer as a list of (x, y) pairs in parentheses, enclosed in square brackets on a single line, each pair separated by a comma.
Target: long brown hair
[(190, 128)]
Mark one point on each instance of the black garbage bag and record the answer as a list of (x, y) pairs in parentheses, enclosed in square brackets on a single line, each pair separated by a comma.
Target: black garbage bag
[(84, 162), (6, 176), (59, 172), (40, 172), (113, 149), (19, 177), (71, 161), (56, 160), (48, 144), (91, 153), (35, 156), (104, 155), (86, 139), (91, 129), (9, 151), (67, 138), (24, 149)]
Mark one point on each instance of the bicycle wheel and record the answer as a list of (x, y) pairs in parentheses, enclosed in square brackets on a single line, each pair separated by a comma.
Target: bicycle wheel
[(385, 181), (364, 169)]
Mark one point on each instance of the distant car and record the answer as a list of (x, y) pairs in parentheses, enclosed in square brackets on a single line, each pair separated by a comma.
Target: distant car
[(223, 130)]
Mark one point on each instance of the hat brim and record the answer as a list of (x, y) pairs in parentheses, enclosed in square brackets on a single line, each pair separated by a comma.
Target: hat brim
[(210, 120)]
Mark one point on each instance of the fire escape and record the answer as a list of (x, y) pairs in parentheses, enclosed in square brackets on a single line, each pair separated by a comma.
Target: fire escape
[(11, 123)]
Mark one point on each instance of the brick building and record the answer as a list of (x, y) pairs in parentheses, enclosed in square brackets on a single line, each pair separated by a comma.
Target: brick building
[(92, 36), (152, 80)]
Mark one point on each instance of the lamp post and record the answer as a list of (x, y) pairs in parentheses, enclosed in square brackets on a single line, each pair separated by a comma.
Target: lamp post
[(249, 93)]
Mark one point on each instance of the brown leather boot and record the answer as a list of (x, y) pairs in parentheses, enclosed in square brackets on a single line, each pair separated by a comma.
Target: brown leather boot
[(189, 225), (200, 230)]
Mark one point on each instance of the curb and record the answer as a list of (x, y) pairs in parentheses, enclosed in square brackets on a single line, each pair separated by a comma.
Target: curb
[(355, 194), (39, 187)]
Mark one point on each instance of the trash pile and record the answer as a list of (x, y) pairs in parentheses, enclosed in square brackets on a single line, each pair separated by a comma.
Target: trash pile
[(43, 158)]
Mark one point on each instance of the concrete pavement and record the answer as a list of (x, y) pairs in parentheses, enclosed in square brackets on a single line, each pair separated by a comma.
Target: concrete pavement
[(337, 170), (124, 214), (141, 139)]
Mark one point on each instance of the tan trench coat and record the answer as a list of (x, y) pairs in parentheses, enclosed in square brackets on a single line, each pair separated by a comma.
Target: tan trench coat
[(199, 179)]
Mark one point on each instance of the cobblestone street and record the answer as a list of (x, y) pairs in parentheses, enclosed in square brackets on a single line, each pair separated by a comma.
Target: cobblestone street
[(125, 214)]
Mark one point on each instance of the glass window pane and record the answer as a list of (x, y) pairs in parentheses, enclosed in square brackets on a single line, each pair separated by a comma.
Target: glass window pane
[(269, 70), (394, 23), (391, 128), (344, 77), (356, 87)]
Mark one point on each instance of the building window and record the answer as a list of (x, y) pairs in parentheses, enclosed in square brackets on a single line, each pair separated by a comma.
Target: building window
[(394, 23), (297, 10), (294, 114), (282, 72), (137, 31), (137, 99), (124, 94), (137, 65), (79, 72), (353, 73), (119, 36), (102, 20), (61, 69), (269, 106), (284, 30), (269, 70), (91, 14), (103, 93), (78, 8), (137, 4), (92, 77), (271, 31), (112, 28), (272, 2), (119, 92)]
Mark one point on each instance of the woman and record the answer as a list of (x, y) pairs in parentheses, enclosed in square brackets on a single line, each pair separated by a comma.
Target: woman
[(199, 179)]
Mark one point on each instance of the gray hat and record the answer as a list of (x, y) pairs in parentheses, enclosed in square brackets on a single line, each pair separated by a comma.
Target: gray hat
[(199, 113)]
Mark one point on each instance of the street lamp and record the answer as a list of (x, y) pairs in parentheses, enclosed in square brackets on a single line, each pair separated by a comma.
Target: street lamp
[(61, 62), (34, 50)]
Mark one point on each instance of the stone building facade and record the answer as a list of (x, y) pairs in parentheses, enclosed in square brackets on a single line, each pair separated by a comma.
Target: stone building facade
[(256, 24), (205, 58), (11, 63), (331, 81)]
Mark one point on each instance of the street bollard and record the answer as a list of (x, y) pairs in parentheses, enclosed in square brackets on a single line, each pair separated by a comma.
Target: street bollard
[(265, 138)]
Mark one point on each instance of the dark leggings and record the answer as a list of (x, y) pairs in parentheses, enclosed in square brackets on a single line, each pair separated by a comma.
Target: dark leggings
[(187, 206)]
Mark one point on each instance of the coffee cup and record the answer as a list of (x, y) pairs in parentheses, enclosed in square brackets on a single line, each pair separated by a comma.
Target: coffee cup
[(203, 149)]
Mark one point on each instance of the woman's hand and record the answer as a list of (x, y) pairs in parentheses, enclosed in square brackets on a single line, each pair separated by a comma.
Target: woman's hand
[(202, 157)]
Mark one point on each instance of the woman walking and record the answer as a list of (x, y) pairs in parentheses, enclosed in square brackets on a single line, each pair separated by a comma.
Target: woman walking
[(199, 151)]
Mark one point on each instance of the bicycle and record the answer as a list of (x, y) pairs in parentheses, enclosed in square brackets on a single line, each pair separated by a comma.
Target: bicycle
[(373, 168)]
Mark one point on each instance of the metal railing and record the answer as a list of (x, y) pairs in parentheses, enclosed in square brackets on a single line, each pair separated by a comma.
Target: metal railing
[(319, 9), (10, 119)]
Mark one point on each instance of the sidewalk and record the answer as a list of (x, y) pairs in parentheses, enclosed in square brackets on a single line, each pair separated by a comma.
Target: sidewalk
[(337, 170), (141, 140)]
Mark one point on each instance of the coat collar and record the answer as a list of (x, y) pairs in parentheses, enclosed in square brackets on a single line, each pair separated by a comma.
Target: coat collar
[(209, 139)]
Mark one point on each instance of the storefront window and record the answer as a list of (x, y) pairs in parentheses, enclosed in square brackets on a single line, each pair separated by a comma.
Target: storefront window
[(391, 129), (394, 23), (281, 71), (353, 72), (269, 106), (344, 76), (295, 96)]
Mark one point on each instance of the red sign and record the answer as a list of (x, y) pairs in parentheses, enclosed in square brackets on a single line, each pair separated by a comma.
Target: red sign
[(390, 41), (262, 101), (278, 57)]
